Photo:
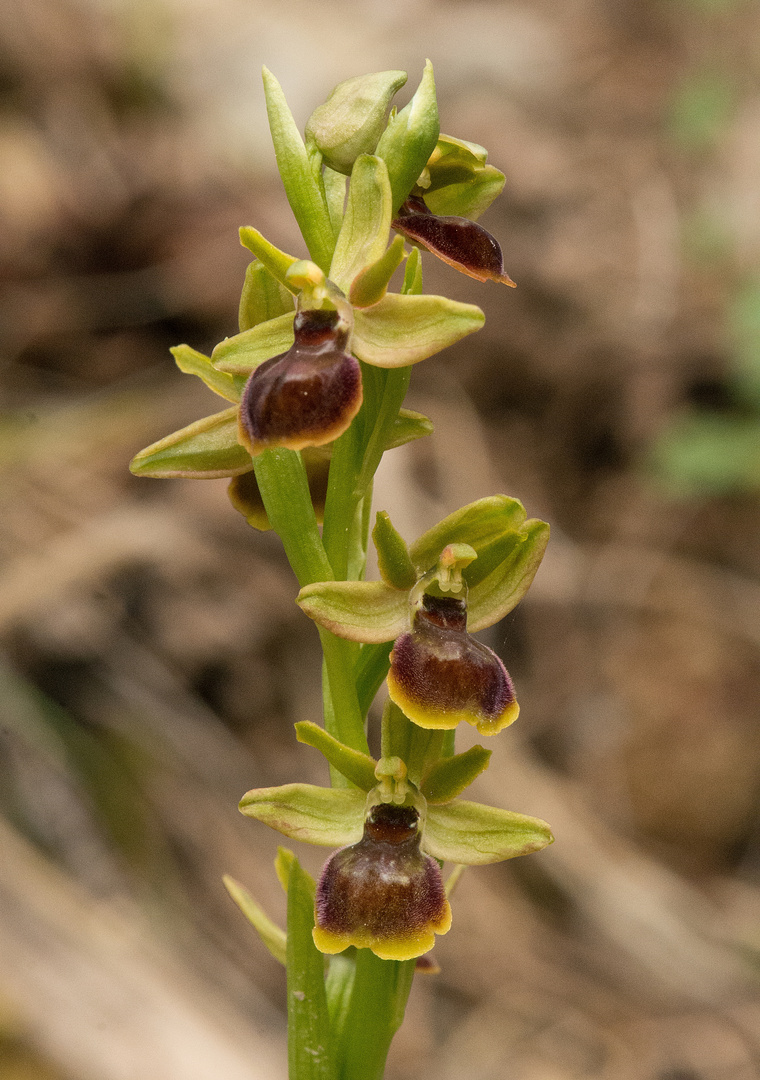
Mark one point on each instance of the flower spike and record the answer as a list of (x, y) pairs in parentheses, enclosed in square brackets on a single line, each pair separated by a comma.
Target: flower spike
[(382, 893), (461, 243)]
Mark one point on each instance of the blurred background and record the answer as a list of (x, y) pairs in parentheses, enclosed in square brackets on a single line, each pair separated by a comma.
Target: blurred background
[(152, 661)]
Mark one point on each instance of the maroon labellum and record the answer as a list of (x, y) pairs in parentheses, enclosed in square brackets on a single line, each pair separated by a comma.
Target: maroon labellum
[(382, 893), (461, 243), (306, 396), (441, 675)]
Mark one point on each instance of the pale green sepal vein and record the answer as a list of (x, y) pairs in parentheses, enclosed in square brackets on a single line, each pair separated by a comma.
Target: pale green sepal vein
[(310, 1050), (303, 188), (272, 936), (357, 767), (328, 817)]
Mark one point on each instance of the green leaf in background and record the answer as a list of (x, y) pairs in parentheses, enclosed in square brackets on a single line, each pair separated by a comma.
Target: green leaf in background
[(702, 109), (205, 450), (743, 318), (707, 454)]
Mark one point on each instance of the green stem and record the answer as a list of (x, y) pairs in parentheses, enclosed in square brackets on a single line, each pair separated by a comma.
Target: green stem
[(343, 718), (374, 1015)]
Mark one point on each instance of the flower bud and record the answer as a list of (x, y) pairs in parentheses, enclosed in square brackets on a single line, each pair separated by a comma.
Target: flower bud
[(352, 119), (306, 396), (461, 243), (441, 675), (383, 893)]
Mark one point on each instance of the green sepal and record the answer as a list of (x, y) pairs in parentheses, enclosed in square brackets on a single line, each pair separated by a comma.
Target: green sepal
[(276, 262), (272, 936), (204, 450), (402, 330), (328, 817), (371, 284), (310, 1050), (243, 353), (366, 223), (503, 589), (351, 121), (300, 175), (478, 524), (192, 362), (450, 776), (474, 834), (413, 274), (262, 298), (457, 180), (410, 138), (396, 568), (368, 611), (357, 767), (335, 193), (469, 198)]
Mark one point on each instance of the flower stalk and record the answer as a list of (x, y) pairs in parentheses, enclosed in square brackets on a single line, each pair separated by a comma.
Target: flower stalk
[(315, 380)]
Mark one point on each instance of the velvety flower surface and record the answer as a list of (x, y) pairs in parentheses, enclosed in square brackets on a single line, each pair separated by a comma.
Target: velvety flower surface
[(461, 243), (382, 893), (306, 396), (440, 675)]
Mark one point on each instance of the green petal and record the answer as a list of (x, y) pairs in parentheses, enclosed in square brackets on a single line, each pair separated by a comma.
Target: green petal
[(402, 330), (410, 138), (368, 611), (478, 524), (413, 274), (262, 298), (242, 354), (300, 175), (396, 568), (367, 221), (204, 450), (371, 284), (501, 590), (450, 776), (357, 767), (329, 817), (352, 119), (270, 933), (276, 262), (474, 834), (193, 362)]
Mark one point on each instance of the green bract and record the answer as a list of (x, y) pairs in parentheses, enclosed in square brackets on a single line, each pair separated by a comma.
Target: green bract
[(509, 549)]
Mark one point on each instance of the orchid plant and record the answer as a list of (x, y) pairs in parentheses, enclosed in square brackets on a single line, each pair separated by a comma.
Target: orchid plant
[(316, 379)]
